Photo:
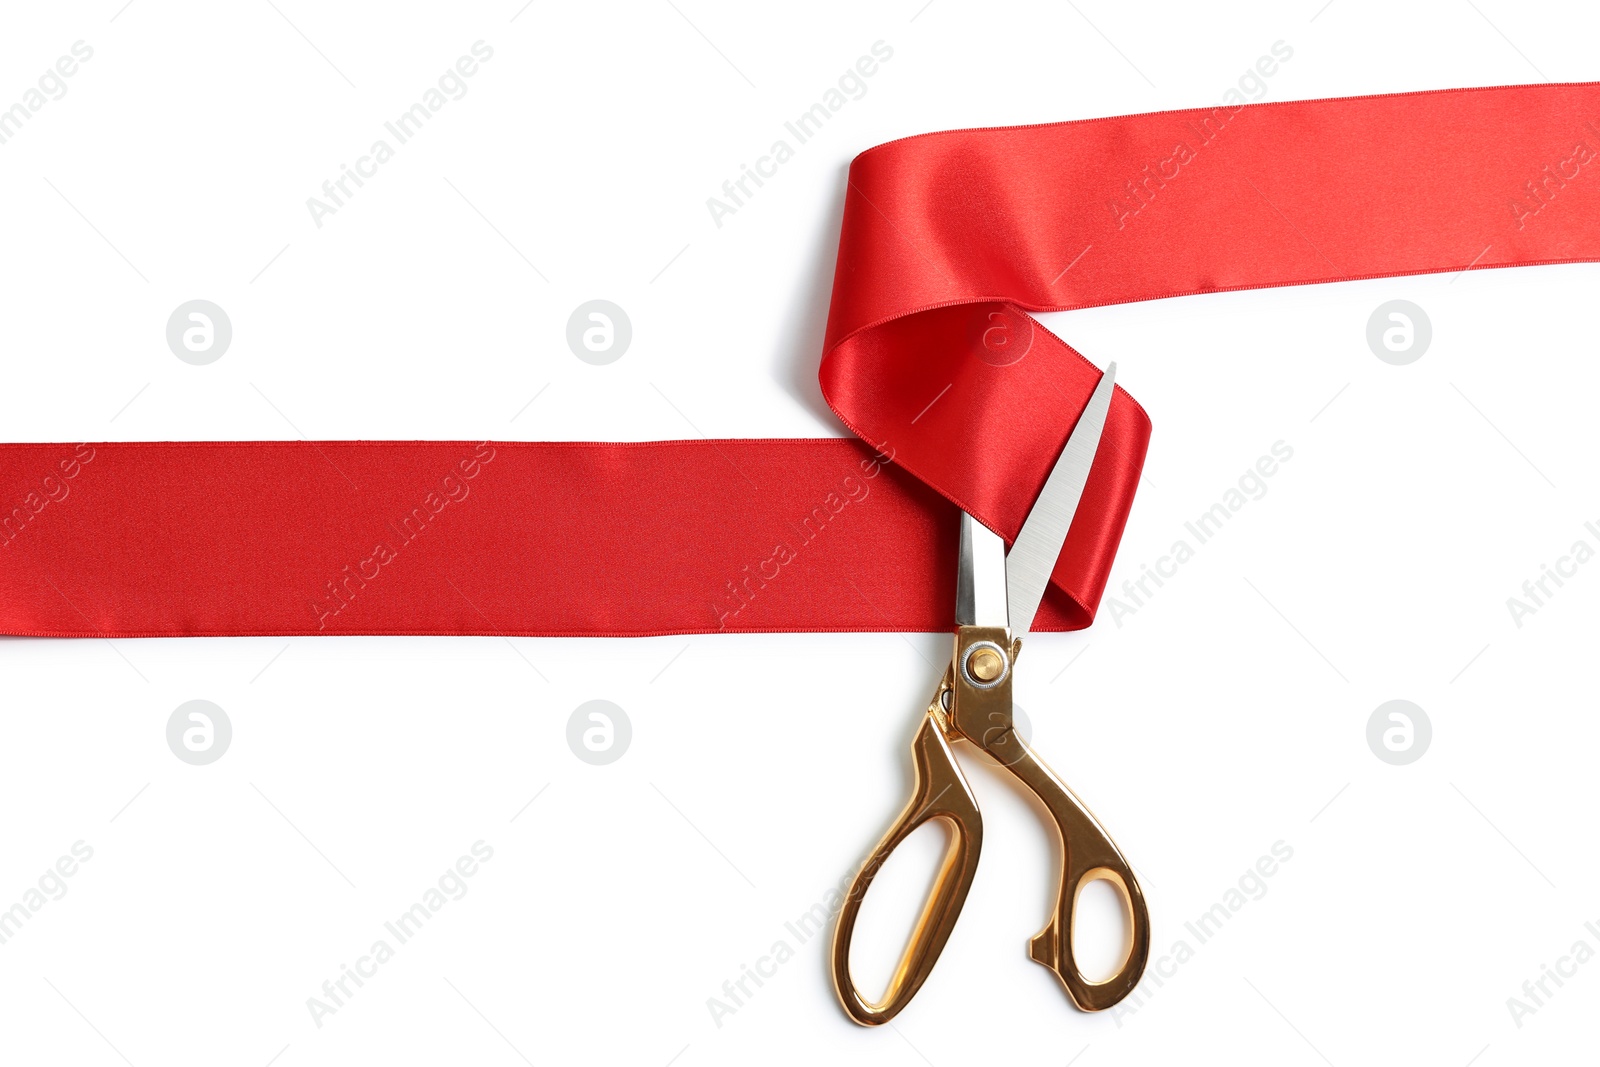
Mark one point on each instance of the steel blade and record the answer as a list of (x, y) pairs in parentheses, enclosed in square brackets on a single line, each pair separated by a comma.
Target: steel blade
[(1034, 553), (980, 576)]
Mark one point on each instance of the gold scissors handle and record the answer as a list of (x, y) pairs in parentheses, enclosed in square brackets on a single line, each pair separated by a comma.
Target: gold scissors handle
[(974, 704), (939, 791), (1089, 854)]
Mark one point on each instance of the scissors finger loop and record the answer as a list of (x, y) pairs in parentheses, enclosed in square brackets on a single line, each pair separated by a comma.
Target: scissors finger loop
[(941, 792)]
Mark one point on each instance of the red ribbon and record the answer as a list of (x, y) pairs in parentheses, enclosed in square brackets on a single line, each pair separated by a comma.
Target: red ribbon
[(961, 397)]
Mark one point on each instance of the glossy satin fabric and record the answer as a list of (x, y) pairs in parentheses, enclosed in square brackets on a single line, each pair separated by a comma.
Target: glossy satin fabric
[(927, 358)]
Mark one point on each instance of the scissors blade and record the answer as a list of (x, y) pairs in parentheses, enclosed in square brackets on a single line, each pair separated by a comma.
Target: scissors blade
[(1033, 555), (980, 576)]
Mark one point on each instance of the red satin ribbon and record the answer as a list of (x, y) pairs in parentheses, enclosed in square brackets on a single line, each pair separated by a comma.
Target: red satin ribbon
[(927, 358)]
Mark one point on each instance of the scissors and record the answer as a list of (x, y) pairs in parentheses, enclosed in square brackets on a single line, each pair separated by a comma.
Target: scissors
[(997, 596)]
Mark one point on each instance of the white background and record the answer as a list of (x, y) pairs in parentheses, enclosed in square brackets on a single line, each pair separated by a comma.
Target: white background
[(1226, 714)]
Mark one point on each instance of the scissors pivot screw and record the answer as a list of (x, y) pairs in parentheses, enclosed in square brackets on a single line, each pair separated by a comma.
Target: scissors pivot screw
[(985, 665)]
